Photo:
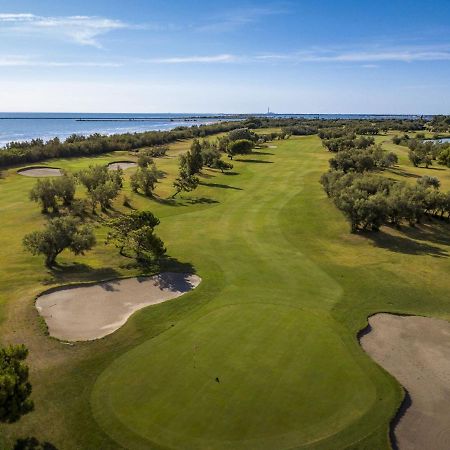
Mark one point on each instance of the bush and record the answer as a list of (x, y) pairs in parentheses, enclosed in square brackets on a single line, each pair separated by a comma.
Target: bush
[(240, 147)]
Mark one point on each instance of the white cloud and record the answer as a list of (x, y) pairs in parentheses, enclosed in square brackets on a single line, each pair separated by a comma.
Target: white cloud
[(225, 58), (362, 56), (239, 17), (27, 61), (84, 30)]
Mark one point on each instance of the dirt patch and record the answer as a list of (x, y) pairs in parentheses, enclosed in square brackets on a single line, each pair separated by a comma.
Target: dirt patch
[(416, 351), (40, 172), (84, 313), (124, 165)]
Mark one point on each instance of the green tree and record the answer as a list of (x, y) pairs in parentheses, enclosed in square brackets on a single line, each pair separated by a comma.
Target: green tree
[(144, 179), (15, 389), (186, 183), (426, 181), (195, 157), (59, 234), (65, 189), (102, 185), (239, 147), (144, 160), (133, 234), (44, 192), (242, 134)]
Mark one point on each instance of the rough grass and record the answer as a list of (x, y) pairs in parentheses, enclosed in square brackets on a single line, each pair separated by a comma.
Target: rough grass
[(285, 290)]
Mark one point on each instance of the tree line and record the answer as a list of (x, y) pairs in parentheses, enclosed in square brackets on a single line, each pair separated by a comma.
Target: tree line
[(369, 200), (36, 150)]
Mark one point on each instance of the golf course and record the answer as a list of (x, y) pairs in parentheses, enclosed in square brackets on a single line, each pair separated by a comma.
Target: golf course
[(264, 352)]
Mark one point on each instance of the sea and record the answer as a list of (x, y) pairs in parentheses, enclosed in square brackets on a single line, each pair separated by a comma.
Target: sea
[(20, 127)]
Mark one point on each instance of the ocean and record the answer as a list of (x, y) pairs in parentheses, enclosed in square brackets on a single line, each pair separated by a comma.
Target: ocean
[(27, 126)]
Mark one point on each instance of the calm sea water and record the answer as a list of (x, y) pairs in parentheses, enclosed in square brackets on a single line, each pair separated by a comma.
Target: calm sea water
[(26, 126)]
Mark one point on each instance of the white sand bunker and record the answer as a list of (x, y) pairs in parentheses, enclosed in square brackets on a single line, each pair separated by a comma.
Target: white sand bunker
[(86, 313), (416, 351), (40, 172), (124, 165), (273, 146)]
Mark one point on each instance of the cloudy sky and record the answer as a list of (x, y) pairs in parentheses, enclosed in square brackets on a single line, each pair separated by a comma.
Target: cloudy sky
[(234, 56)]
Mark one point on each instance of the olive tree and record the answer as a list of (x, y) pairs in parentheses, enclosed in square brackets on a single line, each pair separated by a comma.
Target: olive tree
[(133, 234), (239, 147), (144, 179), (102, 184), (59, 234)]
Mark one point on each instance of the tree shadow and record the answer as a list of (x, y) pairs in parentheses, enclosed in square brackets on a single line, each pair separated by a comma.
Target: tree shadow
[(201, 200), (171, 264), (403, 173), (256, 161), (436, 231), (205, 175), (174, 281), (166, 201), (78, 272), (31, 443), (262, 153), (222, 186), (230, 172), (403, 244)]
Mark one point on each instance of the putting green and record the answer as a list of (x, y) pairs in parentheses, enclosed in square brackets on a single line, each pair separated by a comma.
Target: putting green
[(242, 376)]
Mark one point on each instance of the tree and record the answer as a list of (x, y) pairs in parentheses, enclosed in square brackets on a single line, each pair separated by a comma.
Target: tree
[(15, 389), (195, 157), (133, 234), (426, 181), (59, 234), (242, 134), (444, 156), (222, 165), (144, 160), (144, 179), (184, 182), (102, 184), (48, 192), (239, 147), (211, 158), (44, 193), (65, 189)]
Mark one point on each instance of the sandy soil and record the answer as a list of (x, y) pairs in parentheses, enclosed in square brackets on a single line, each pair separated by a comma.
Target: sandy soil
[(40, 172), (416, 351), (124, 165), (85, 313)]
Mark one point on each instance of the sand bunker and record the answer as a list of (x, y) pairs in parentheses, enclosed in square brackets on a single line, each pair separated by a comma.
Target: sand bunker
[(85, 313), (273, 146), (416, 351), (124, 165), (40, 172)]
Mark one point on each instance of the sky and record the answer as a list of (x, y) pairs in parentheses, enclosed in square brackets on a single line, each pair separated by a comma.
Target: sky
[(299, 56)]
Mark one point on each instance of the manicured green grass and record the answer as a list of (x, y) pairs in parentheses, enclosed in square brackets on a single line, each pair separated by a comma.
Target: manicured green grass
[(285, 290)]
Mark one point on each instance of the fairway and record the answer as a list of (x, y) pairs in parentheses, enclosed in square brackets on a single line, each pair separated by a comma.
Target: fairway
[(263, 354)]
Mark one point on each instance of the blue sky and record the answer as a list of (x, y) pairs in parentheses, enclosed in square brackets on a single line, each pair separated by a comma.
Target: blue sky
[(234, 56)]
